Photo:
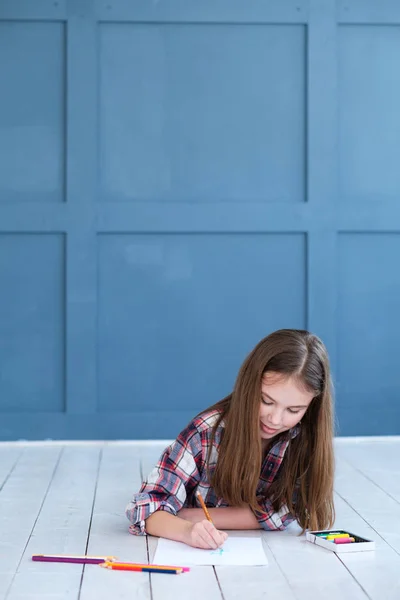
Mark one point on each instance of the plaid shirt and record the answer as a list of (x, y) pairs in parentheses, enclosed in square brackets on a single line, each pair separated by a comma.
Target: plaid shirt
[(181, 471)]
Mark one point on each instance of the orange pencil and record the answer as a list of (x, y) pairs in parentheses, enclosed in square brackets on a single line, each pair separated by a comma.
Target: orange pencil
[(144, 565), (141, 568), (204, 507)]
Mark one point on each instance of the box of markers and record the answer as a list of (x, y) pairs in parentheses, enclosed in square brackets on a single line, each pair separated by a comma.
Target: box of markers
[(346, 541)]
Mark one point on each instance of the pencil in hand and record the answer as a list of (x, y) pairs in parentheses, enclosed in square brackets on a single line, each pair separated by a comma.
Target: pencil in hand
[(204, 507), (209, 519)]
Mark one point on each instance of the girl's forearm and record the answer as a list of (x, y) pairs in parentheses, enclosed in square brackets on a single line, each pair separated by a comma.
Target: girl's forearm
[(224, 518), (163, 524)]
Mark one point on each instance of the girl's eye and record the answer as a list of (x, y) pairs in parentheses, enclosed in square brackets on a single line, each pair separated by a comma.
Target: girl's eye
[(294, 412), (266, 402)]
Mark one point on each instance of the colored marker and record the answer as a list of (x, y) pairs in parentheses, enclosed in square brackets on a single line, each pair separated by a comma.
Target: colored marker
[(348, 540)]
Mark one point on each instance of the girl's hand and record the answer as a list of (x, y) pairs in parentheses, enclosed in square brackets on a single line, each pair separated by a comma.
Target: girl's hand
[(204, 535)]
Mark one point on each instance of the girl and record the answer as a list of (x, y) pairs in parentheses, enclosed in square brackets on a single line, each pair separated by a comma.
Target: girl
[(261, 458)]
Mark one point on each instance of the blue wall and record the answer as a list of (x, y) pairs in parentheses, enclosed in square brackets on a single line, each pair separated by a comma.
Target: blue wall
[(178, 179)]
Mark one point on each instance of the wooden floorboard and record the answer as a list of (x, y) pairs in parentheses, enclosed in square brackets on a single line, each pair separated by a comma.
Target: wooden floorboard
[(9, 459), (71, 498), (373, 504), (378, 573), (378, 462), (61, 527), (118, 476), (21, 500)]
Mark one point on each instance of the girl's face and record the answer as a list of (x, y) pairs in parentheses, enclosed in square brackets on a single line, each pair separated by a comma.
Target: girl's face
[(283, 404)]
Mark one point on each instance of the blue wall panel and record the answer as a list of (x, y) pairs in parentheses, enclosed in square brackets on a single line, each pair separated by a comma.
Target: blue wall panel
[(164, 299), (32, 323), (178, 179), (198, 101), (369, 124), (368, 333), (32, 111)]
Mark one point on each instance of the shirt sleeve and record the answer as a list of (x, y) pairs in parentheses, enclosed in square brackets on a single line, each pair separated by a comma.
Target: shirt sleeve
[(270, 520), (176, 474)]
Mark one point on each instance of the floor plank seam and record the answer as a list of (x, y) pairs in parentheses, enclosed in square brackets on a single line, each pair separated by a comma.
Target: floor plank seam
[(91, 518), (12, 469), (34, 524), (218, 583), (365, 521), (356, 580), (148, 560), (371, 480), (280, 568)]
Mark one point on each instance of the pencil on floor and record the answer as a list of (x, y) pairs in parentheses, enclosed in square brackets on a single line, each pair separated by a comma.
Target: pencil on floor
[(82, 560), (143, 568)]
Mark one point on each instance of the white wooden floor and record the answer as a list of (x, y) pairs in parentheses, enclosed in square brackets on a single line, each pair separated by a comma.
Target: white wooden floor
[(70, 499)]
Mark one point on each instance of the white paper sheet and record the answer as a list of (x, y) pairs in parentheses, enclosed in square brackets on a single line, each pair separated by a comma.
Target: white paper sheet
[(235, 551)]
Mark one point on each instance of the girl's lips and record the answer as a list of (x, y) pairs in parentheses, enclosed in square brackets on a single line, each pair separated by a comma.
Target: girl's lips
[(267, 429)]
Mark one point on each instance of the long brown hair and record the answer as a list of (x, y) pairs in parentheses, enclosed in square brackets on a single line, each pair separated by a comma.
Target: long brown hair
[(307, 471)]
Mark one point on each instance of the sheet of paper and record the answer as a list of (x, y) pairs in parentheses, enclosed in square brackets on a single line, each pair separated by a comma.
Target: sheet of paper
[(235, 551)]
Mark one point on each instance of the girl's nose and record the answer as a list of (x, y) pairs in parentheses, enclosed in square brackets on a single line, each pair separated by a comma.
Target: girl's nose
[(275, 418)]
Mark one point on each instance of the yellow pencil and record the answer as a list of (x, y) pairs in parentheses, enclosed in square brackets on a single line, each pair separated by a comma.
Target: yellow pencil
[(204, 507)]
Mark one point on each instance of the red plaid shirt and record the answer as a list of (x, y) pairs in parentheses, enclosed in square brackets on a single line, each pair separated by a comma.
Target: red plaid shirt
[(181, 471)]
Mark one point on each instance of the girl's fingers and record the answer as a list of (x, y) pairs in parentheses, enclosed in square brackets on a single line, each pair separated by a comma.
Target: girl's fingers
[(210, 540), (205, 532), (203, 540), (217, 536), (206, 536)]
